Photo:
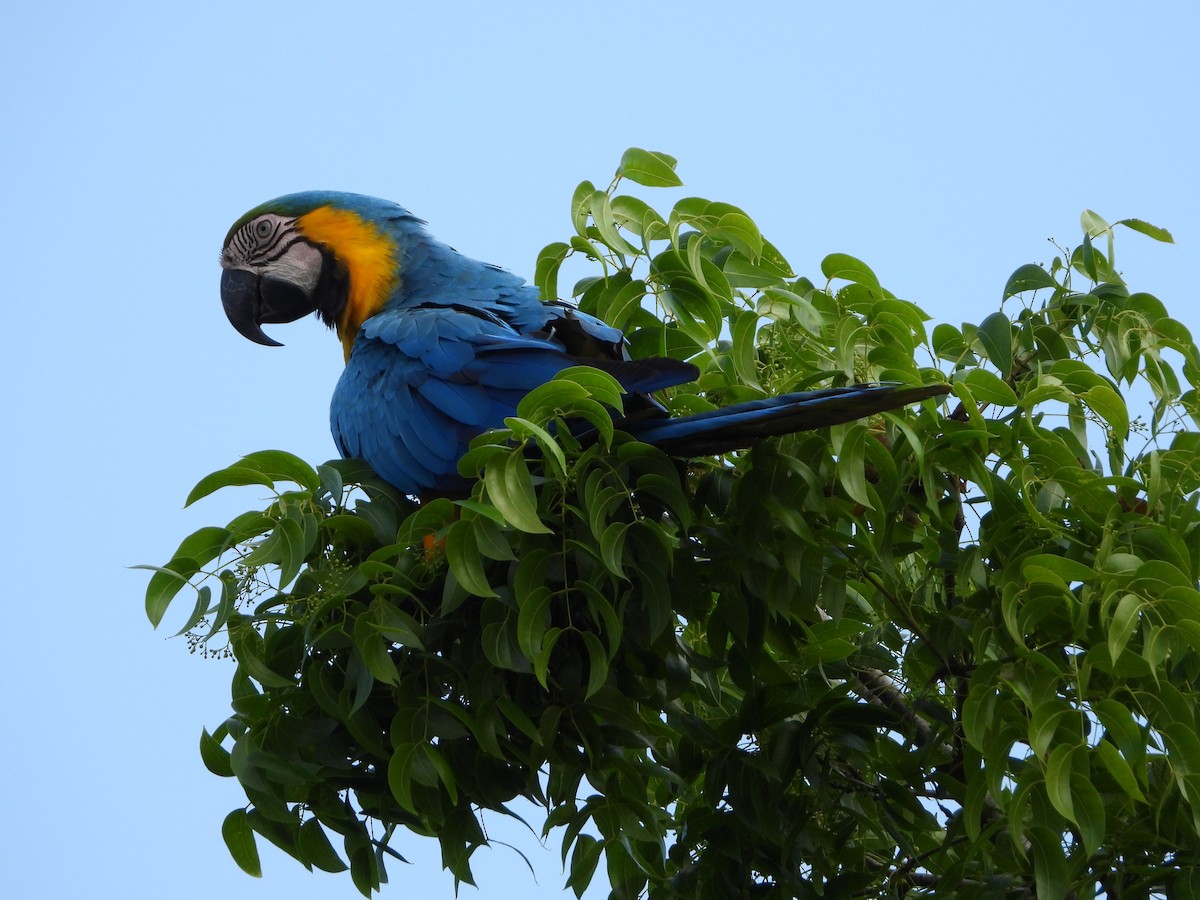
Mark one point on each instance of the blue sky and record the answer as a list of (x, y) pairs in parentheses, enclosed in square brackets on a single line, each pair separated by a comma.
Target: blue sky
[(943, 144)]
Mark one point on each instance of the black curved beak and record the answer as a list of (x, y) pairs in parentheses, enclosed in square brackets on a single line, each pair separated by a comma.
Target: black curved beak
[(250, 300)]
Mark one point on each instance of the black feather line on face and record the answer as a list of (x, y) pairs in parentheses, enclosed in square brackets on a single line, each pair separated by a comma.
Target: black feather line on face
[(332, 290)]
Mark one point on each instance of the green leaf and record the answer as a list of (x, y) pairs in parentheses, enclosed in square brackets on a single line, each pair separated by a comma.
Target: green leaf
[(214, 756), (995, 335), (588, 249), (1028, 277), (293, 547), (1120, 770), (394, 624), (239, 838), (1043, 723), (1159, 234), (846, 267), (580, 205), (314, 844), (1050, 870), (374, 652), (205, 544), (600, 385), (1058, 781), (244, 528), (510, 488), (692, 288), (225, 606), (1062, 571), (400, 775), (279, 465), (1092, 223), (1108, 404), (549, 261), (553, 398), (166, 582), (621, 301), (612, 543), (637, 216), (236, 475), (247, 647), (597, 663), (268, 551), (707, 275), (445, 774), (948, 342), (533, 620), (1183, 749), (575, 392), (649, 168), (745, 347), (738, 229), (784, 305), (851, 466), (349, 528), (332, 481), (365, 869), (1124, 623), (987, 387), (199, 611), (606, 224), (462, 553), (584, 859), (1088, 256), (1089, 808)]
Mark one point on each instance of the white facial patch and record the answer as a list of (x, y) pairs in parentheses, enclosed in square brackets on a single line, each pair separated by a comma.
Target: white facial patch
[(273, 245), (300, 264)]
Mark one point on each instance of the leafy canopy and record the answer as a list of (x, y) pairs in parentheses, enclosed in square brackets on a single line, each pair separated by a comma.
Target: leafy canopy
[(948, 650)]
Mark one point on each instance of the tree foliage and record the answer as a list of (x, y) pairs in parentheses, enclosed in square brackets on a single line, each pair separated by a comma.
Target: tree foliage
[(949, 650)]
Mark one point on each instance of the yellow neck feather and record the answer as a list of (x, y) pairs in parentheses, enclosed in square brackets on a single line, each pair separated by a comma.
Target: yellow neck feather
[(368, 255)]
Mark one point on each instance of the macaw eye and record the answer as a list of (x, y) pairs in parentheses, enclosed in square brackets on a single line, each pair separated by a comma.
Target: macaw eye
[(263, 229)]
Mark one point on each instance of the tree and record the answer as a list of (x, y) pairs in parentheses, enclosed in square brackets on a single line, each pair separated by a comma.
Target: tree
[(948, 650)]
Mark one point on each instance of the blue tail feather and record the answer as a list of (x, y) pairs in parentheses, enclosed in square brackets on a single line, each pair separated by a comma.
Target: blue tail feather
[(742, 424)]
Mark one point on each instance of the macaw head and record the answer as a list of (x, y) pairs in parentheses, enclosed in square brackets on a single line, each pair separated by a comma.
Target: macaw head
[(326, 252)]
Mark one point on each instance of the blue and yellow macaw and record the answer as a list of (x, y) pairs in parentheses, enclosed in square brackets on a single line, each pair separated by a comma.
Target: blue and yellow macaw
[(439, 348)]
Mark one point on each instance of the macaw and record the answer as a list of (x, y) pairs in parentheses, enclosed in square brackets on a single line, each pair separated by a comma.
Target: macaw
[(440, 348)]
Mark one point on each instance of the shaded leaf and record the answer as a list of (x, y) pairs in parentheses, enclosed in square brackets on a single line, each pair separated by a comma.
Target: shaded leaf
[(239, 838), (995, 335), (314, 844), (216, 757)]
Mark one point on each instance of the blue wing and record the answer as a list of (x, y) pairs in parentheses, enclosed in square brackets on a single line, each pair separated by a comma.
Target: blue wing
[(423, 381)]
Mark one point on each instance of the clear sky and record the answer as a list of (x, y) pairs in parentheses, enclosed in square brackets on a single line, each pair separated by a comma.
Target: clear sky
[(941, 143)]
